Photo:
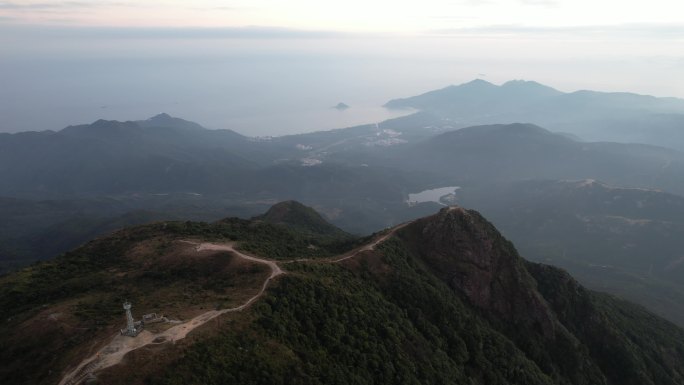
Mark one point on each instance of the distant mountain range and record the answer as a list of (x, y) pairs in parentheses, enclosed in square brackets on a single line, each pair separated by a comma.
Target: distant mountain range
[(161, 154), (109, 157), (496, 153), (594, 116)]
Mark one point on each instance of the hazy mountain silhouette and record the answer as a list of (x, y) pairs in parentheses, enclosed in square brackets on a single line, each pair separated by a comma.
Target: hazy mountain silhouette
[(499, 153), (608, 116), (110, 156)]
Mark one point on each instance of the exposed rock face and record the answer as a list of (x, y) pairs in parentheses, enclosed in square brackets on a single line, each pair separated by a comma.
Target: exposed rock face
[(467, 252)]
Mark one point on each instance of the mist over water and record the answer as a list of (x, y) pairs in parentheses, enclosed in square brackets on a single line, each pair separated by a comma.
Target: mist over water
[(274, 86), (251, 95)]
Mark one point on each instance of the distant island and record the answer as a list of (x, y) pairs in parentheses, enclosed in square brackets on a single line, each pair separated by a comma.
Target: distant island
[(341, 106)]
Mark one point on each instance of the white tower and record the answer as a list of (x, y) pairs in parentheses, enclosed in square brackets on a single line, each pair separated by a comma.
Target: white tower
[(130, 325), (132, 328)]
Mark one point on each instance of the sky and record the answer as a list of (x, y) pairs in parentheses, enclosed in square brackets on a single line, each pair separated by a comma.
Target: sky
[(272, 67), (393, 16)]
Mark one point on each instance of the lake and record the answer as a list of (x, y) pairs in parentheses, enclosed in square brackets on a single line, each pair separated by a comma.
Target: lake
[(431, 195)]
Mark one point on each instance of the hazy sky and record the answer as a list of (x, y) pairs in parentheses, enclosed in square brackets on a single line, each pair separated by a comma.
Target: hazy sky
[(271, 67), (350, 15)]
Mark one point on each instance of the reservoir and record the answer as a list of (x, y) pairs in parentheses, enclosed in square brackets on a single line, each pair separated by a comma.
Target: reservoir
[(433, 195)]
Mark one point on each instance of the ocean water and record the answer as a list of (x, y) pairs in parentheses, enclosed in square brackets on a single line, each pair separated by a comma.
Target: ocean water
[(253, 87), (266, 84), (432, 195)]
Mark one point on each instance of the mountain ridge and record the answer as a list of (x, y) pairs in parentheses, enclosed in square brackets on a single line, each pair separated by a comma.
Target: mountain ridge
[(446, 295), (592, 115), (526, 85)]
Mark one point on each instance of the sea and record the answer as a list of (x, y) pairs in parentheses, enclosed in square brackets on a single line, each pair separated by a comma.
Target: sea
[(269, 83)]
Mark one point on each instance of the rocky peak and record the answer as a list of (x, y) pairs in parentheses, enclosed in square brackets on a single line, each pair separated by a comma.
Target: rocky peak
[(467, 252)]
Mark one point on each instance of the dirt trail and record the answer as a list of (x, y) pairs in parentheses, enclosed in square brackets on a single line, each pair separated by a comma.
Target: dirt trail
[(275, 269), (370, 246), (120, 345)]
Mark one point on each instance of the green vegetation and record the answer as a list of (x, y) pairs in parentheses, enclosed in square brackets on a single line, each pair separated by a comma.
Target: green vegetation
[(447, 300), (389, 318), (86, 268), (265, 239), (76, 298), (630, 345), (301, 218), (623, 241), (327, 325)]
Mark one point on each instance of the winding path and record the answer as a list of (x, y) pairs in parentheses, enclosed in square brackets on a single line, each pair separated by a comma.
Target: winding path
[(370, 246), (113, 353)]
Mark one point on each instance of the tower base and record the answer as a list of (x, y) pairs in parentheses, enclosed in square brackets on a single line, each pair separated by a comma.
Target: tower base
[(137, 328)]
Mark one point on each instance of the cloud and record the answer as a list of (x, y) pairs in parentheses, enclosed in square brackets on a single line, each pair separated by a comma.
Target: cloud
[(541, 3), (255, 32), (57, 5), (73, 5), (249, 32), (477, 2), (221, 8), (652, 30), (452, 18)]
